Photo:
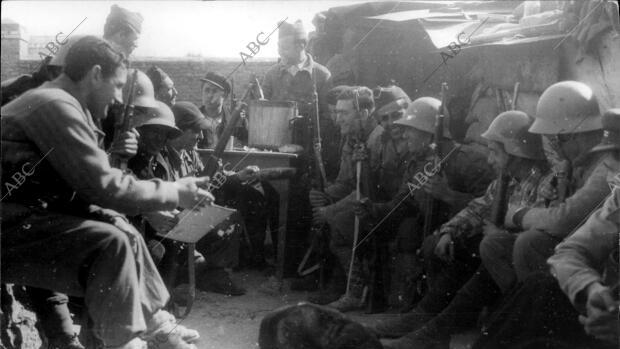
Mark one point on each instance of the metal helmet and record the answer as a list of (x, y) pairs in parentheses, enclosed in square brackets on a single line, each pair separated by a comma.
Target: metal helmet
[(161, 115), (567, 107), (510, 128), (144, 95), (422, 115)]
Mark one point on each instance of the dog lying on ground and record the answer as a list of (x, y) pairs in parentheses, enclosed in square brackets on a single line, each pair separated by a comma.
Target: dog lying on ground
[(310, 326)]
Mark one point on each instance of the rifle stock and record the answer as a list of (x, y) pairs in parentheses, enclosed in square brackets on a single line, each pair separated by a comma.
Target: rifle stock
[(431, 203), (500, 201), (123, 122), (321, 177)]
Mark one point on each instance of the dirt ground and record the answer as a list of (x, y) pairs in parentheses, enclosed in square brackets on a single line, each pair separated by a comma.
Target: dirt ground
[(233, 322)]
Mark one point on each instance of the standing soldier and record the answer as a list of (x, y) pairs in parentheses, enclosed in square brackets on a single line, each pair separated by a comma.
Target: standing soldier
[(122, 29), (295, 78)]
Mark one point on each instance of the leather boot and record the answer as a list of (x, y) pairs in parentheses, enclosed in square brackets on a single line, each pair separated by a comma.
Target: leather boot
[(407, 271)]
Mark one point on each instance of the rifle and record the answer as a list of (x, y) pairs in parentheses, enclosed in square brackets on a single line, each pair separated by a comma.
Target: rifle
[(431, 203), (123, 122), (316, 232), (500, 201), (212, 164)]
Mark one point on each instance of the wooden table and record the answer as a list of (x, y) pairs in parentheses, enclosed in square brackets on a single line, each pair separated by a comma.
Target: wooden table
[(235, 160)]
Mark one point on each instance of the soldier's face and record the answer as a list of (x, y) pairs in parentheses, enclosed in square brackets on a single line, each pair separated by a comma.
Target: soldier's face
[(347, 117), (416, 139), (331, 109), (498, 158), (290, 50), (212, 96), (388, 123), (128, 41), (166, 92), (153, 138), (106, 91), (190, 138)]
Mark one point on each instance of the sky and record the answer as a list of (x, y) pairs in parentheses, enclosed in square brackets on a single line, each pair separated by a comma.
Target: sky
[(173, 28)]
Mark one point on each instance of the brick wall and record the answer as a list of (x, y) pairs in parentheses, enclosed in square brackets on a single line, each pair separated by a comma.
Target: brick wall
[(185, 72)]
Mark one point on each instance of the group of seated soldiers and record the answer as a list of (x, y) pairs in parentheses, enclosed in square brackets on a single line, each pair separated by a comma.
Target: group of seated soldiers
[(507, 234), (496, 230)]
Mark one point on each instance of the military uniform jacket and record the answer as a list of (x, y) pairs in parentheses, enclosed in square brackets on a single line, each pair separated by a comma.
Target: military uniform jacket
[(590, 179), (387, 164), (525, 192), (49, 122), (591, 253), (465, 168)]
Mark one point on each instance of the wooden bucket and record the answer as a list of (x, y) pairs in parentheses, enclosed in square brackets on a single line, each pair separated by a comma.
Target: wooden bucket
[(268, 123)]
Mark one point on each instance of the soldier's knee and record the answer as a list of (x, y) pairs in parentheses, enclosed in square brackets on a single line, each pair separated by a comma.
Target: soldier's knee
[(114, 240), (492, 246), (525, 244)]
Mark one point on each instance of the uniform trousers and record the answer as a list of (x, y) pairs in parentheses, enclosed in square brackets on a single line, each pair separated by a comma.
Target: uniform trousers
[(511, 257), (109, 267)]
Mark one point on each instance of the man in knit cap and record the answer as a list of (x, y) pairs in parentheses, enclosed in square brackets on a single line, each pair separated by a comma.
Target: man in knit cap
[(295, 78), (122, 28), (163, 85)]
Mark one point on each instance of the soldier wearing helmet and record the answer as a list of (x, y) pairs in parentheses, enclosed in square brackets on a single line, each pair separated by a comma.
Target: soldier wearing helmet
[(143, 100), (464, 176), (568, 118), (452, 252)]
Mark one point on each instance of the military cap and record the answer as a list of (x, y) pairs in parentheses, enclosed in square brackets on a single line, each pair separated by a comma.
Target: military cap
[(187, 115), (390, 99), (295, 30), (120, 16), (218, 81)]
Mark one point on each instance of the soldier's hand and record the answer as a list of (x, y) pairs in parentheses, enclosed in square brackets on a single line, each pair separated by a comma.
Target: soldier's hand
[(126, 144), (363, 207), (318, 198), (249, 173), (161, 221), (318, 215), (602, 314), (444, 249), (190, 195), (548, 189)]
